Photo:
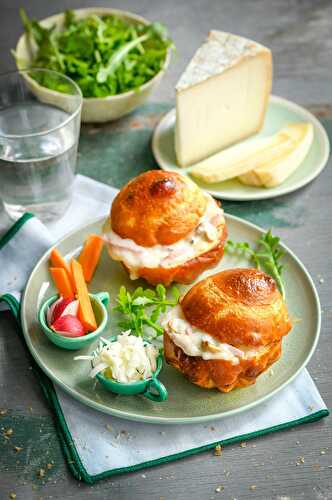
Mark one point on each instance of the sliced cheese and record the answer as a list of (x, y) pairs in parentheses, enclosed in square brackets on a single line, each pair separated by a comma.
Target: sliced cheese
[(278, 164), (265, 161), (222, 96), (235, 160)]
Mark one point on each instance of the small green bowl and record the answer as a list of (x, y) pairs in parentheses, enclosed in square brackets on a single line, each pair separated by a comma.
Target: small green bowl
[(99, 302), (151, 388)]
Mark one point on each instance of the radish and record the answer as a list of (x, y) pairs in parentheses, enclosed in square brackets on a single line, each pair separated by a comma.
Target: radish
[(68, 326), (62, 307), (49, 314)]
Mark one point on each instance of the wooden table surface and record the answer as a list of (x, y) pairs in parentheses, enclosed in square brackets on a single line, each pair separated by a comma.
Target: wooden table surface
[(299, 33)]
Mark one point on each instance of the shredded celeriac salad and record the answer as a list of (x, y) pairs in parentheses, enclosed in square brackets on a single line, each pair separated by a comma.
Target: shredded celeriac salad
[(128, 359)]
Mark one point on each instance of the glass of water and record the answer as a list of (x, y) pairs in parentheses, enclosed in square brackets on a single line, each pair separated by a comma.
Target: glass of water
[(39, 132)]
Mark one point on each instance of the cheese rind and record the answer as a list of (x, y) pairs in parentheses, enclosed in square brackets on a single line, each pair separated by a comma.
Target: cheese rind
[(222, 96)]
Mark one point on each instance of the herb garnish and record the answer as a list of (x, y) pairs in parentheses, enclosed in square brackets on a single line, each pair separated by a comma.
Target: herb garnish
[(142, 308), (266, 256), (105, 55)]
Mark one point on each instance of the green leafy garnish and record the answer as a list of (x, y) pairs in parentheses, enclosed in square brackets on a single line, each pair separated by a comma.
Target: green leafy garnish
[(142, 308), (105, 55), (266, 256)]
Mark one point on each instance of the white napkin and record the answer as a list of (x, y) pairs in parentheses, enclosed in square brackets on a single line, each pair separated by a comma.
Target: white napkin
[(101, 446), (20, 254)]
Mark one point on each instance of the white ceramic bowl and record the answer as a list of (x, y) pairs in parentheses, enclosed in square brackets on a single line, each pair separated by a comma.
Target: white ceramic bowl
[(95, 109)]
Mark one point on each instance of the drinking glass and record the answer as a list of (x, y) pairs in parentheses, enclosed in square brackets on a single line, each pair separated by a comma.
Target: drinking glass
[(39, 132)]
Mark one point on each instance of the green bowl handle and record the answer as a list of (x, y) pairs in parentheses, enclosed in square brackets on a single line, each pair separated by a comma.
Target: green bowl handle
[(104, 297), (160, 389)]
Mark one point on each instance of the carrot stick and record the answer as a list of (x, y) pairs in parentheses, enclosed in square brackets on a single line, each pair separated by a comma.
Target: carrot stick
[(85, 312), (62, 282), (90, 255), (58, 261)]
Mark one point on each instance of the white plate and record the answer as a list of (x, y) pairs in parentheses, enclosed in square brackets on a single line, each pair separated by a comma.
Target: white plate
[(279, 114)]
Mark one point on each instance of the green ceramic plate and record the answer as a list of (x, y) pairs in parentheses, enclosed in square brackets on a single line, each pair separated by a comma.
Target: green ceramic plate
[(280, 113), (187, 403)]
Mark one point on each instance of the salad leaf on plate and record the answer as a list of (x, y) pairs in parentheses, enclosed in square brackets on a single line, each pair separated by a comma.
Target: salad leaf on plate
[(142, 308), (266, 255)]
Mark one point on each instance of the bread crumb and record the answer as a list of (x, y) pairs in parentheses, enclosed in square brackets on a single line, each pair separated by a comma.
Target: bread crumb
[(243, 445), (49, 466), (316, 467), (3, 412), (217, 450), (322, 452), (12, 495), (8, 433), (18, 449), (219, 489), (252, 487), (41, 473)]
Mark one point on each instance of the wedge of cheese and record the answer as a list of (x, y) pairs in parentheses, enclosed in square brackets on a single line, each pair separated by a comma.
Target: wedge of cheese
[(278, 164), (222, 96), (265, 161)]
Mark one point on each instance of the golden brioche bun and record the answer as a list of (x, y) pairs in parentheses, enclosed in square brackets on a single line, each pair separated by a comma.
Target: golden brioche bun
[(157, 207), (187, 272), (219, 373), (240, 307)]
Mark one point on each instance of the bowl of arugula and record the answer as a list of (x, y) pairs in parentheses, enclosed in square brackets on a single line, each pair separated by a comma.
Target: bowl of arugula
[(115, 57)]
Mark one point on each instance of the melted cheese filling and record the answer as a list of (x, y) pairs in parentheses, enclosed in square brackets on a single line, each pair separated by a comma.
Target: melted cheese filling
[(204, 237), (195, 342)]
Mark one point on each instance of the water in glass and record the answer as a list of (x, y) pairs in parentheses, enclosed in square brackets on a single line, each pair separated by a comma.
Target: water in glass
[(37, 174)]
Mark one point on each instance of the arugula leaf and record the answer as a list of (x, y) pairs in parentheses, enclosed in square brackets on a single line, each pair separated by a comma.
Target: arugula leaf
[(266, 256), (117, 58), (135, 308), (69, 18), (40, 34), (104, 55)]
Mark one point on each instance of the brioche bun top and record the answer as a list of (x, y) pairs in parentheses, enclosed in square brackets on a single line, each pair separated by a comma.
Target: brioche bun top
[(157, 207), (238, 307)]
